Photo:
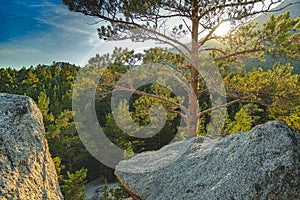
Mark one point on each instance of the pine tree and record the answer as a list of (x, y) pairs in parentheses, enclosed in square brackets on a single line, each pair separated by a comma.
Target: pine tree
[(73, 188), (105, 192), (43, 104), (149, 20)]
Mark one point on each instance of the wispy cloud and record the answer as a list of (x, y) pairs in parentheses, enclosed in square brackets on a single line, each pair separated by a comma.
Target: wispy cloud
[(69, 25), (50, 33), (9, 52), (64, 27)]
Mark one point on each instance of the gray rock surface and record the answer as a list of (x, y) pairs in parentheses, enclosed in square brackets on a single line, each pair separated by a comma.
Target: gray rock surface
[(263, 163), (26, 169)]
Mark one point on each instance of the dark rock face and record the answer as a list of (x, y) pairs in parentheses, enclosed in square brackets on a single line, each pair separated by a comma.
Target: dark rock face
[(26, 169), (263, 163)]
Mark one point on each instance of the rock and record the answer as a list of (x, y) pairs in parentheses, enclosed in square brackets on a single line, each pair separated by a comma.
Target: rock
[(263, 163), (26, 169)]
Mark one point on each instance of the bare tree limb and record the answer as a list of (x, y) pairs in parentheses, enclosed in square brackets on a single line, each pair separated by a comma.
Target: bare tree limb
[(218, 107), (182, 107), (236, 54), (213, 49)]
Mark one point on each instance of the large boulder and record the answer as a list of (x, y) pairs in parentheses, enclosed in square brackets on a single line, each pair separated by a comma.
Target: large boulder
[(26, 169), (263, 163)]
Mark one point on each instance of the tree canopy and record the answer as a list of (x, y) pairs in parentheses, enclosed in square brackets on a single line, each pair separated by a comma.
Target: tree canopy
[(170, 22)]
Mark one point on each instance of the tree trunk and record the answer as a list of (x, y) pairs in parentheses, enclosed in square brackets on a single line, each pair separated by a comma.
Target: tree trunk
[(193, 98), (192, 117), (70, 164)]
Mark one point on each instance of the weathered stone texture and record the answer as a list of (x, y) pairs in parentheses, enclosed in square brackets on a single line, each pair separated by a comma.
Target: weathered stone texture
[(26, 169), (263, 163)]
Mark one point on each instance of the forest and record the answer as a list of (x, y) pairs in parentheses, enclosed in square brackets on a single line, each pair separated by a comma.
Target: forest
[(260, 86)]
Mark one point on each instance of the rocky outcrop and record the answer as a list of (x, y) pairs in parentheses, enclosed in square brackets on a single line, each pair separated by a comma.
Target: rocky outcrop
[(263, 163), (26, 168)]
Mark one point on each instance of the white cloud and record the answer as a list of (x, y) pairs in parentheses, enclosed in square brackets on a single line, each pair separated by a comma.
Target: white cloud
[(65, 27)]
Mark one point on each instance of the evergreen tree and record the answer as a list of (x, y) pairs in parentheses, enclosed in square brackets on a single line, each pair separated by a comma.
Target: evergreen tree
[(149, 20), (73, 188), (43, 104), (65, 142), (59, 167), (105, 192), (119, 193), (243, 119)]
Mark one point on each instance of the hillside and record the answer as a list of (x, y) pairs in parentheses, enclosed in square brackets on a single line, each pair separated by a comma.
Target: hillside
[(294, 11), (270, 60)]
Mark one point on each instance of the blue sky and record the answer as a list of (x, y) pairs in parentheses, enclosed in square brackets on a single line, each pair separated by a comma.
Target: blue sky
[(42, 31)]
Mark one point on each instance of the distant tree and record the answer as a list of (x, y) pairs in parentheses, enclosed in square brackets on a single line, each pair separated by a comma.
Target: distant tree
[(65, 142), (243, 119), (275, 93), (105, 192), (59, 167), (119, 193), (293, 119), (73, 188), (43, 104), (8, 78), (169, 21)]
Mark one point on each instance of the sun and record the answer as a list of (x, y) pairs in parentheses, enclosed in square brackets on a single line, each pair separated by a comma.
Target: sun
[(223, 29)]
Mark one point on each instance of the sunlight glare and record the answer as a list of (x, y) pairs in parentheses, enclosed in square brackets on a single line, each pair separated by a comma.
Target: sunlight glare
[(223, 29)]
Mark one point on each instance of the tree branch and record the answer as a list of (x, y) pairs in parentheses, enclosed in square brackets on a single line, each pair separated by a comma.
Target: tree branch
[(213, 49), (218, 107), (236, 54), (169, 43), (134, 24), (152, 96)]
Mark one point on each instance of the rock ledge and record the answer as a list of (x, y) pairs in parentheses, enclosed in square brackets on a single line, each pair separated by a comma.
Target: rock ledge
[(263, 163)]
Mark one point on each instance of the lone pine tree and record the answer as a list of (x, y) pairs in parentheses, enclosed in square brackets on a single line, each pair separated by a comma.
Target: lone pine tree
[(168, 21)]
